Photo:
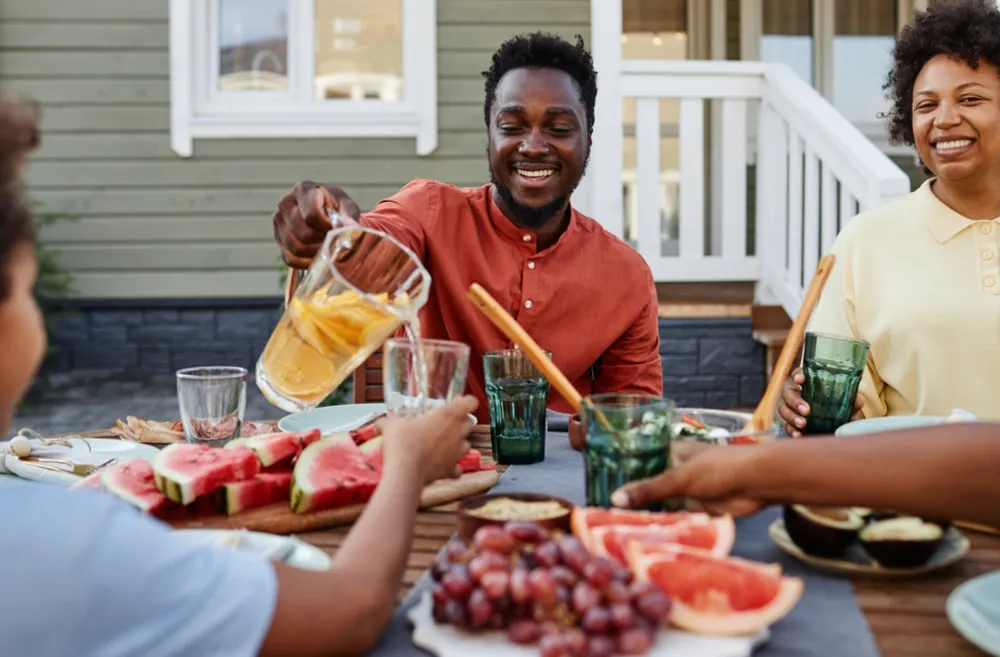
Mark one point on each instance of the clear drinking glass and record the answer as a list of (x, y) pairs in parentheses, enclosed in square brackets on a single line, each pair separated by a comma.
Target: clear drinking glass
[(516, 392), (212, 401), (833, 366), (360, 287), (420, 375), (628, 438)]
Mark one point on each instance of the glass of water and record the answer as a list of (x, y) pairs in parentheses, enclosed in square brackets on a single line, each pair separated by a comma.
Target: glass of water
[(628, 438), (212, 402), (517, 394), (832, 366), (420, 375)]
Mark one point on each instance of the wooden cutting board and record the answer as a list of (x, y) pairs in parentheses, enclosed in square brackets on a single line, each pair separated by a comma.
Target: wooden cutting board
[(279, 518)]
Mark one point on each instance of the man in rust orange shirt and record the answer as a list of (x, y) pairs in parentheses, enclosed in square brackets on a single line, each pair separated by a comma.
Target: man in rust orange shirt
[(578, 290)]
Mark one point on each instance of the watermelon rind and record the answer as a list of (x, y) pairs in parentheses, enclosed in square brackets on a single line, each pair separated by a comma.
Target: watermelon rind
[(134, 482), (185, 471), (276, 447), (332, 472), (266, 488)]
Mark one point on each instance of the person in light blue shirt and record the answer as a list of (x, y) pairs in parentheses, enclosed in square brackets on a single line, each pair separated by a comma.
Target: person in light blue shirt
[(83, 574)]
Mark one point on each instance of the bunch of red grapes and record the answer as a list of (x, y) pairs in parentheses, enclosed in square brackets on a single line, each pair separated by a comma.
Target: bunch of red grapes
[(547, 590)]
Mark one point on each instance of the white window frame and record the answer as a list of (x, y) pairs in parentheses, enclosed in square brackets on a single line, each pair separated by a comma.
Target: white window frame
[(751, 17), (197, 111)]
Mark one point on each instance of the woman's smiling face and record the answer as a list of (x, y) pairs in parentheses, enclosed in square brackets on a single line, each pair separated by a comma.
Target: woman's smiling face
[(956, 118)]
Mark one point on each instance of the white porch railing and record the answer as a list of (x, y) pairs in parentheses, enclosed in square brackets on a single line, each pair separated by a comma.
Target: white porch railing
[(814, 171)]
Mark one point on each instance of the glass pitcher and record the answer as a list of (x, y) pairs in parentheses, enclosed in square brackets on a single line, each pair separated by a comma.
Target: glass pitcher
[(361, 286)]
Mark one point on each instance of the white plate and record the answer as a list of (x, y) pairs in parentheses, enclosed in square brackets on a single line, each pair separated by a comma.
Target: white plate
[(973, 611), (857, 562), (888, 423), (330, 419), (446, 641), (305, 556), (121, 449)]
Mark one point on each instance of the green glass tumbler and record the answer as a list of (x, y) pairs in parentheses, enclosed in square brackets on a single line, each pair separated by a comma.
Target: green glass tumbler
[(517, 394), (833, 366), (628, 438)]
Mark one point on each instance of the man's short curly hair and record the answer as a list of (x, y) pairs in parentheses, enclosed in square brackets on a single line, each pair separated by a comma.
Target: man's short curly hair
[(18, 136), (968, 30), (544, 50)]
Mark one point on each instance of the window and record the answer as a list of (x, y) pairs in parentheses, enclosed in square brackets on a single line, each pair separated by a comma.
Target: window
[(787, 35), (863, 36), (303, 68), (841, 47)]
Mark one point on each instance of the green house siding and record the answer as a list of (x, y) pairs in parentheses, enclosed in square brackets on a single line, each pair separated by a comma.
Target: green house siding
[(151, 224)]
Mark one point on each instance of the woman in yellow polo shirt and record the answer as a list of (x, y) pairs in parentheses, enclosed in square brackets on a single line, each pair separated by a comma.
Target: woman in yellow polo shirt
[(919, 278)]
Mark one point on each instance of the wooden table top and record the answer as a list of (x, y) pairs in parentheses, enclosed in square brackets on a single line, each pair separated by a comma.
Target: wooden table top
[(907, 617)]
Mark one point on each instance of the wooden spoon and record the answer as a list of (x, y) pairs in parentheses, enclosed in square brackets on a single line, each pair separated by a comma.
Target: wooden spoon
[(763, 416), (503, 321)]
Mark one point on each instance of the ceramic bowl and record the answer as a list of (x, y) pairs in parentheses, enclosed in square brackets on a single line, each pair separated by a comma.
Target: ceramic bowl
[(732, 421), (468, 524)]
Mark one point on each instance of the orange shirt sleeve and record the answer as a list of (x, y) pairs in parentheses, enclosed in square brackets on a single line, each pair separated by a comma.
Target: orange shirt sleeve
[(405, 214), (632, 362)]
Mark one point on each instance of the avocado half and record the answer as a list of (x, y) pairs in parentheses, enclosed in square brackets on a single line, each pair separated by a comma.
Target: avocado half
[(823, 532), (902, 542)]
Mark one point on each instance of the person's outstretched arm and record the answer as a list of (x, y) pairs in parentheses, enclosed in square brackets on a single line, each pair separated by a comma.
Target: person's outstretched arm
[(950, 471), (344, 612), (117, 583)]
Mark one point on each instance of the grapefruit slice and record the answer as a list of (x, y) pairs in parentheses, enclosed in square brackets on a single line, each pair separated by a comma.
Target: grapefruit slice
[(713, 534), (584, 520), (717, 595)]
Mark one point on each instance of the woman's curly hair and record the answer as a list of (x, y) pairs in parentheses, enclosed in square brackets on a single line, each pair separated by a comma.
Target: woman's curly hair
[(18, 136), (968, 30)]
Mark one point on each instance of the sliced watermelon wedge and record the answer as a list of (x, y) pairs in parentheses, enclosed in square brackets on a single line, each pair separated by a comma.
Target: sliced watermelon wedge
[(473, 462), (92, 480), (332, 473), (266, 488), (273, 448), (185, 471), (134, 481)]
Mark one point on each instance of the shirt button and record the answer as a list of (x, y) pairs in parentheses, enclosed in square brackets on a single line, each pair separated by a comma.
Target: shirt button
[(531, 264), (526, 238), (987, 255), (989, 281), (985, 228), (527, 304)]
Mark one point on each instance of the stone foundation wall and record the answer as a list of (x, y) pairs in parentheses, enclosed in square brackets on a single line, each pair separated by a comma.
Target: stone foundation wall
[(712, 363)]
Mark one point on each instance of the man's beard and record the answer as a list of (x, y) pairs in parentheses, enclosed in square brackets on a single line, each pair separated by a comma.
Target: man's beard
[(528, 216)]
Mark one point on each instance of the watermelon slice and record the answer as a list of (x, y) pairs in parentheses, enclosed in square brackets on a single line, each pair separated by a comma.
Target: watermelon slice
[(185, 471), (135, 482), (372, 449), (700, 531), (717, 595), (585, 519), (471, 462), (266, 488), (272, 448), (92, 480), (364, 434), (332, 473)]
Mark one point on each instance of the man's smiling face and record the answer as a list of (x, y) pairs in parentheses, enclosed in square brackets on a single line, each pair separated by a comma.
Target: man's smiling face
[(539, 143)]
